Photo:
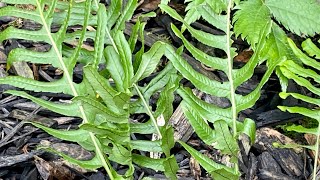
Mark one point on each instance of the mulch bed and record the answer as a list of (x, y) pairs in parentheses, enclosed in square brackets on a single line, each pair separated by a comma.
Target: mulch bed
[(20, 159)]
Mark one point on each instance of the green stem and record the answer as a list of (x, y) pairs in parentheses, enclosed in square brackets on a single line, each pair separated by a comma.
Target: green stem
[(314, 174), (230, 76), (148, 110)]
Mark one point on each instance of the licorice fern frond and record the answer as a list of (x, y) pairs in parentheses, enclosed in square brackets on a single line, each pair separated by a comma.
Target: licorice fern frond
[(303, 75), (199, 112), (55, 57)]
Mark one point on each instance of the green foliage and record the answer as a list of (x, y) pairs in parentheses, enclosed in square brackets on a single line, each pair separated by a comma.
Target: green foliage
[(104, 108), (253, 21), (227, 127), (303, 75), (216, 170), (291, 14)]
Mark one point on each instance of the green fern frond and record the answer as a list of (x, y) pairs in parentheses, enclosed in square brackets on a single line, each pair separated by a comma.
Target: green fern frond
[(198, 112), (301, 74), (104, 108), (54, 56)]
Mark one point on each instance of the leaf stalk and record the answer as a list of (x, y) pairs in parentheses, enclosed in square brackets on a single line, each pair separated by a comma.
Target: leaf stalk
[(230, 74), (148, 111)]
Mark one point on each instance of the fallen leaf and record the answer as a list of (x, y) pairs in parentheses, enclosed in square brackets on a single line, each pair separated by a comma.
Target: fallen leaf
[(244, 56), (52, 169)]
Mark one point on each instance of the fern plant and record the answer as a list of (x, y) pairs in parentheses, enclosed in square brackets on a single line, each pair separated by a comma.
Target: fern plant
[(199, 112), (302, 74), (294, 62), (253, 21), (104, 108)]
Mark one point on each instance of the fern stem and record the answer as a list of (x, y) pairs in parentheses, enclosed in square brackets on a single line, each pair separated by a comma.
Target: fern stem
[(73, 89), (230, 76), (314, 174), (148, 110), (111, 39)]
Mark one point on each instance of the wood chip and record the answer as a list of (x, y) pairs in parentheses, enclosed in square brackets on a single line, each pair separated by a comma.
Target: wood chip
[(195, 168), (22, 68), (182, 128)]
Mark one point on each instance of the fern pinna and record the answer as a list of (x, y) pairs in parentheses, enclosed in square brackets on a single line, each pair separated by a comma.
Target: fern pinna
[(253, 21), (291, 61), (104, 108), (302, 74), (199, 112)]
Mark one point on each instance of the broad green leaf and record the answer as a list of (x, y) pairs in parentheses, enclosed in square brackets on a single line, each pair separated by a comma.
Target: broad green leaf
[(102, 87), (149, 146), (308, 99), (123, 49), (155, 164), (311, 48), (68, 135), (115, 68), (303, 72), (94, 108), (165, 101), (142, 128), (303, 57), (113, 12), (170, 167), (200, 125), (299, 80), (227, 144), (167, 141), (208, 14), (248, 128), (134, 36), (292, 15), (202, 82), (301, 129), (314, 114), (301, 75), (208, 111), (67, 109), (149, 61), (125, 15), (214, 62), (116, 135)]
